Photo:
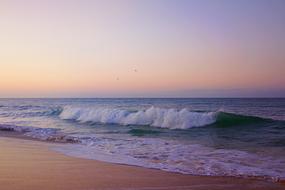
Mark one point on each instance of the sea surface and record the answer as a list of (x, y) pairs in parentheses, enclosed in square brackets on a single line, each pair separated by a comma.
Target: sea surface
[(207, 136)]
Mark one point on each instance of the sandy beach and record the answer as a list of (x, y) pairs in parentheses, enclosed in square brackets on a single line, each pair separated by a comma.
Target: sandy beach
[(27, 164), (142, 95)]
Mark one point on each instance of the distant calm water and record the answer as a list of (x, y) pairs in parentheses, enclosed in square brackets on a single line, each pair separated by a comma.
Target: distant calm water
[(194, 136)]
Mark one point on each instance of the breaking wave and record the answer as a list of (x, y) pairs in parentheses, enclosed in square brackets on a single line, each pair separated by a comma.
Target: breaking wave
[(156, 117)]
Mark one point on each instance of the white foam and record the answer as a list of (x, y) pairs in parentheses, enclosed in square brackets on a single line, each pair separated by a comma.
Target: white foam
[(174, 156), (157, 117)]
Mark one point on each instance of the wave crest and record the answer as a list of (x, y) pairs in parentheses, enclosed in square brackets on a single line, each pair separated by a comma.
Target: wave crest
[(153, 116)]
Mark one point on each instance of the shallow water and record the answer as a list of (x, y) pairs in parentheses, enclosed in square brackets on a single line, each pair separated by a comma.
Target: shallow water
[(195, 136)]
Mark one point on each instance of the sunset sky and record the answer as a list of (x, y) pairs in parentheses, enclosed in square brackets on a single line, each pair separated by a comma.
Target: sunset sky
[(142, 48)]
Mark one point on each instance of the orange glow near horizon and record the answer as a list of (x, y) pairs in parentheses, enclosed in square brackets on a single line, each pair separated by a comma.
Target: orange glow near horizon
[(116, 49)]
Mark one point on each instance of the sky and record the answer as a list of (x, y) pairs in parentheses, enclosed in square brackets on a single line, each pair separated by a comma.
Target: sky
[(142, 48)]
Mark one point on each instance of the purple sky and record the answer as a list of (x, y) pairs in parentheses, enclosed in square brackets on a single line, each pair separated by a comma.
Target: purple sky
[(142, 48)]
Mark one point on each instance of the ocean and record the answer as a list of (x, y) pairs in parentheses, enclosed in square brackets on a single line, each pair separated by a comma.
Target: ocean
[(198, 136)]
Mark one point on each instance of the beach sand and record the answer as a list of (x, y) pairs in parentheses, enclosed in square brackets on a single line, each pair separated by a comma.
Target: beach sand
[(31, 165)]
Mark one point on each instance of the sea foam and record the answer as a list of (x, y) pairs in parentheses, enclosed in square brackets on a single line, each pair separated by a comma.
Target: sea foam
[(153, 116), (174, 156)]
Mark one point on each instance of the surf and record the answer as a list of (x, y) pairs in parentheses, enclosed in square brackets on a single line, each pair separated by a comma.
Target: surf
[(156, 117)]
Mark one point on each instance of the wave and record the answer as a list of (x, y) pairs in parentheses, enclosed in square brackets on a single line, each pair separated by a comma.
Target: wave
[(156, 117), (153, 116), (225, 119)]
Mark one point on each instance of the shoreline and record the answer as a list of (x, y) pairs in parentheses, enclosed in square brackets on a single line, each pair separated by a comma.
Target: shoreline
[(26, 163)]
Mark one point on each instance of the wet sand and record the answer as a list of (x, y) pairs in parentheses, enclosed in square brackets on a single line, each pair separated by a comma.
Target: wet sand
[(31, 165)]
